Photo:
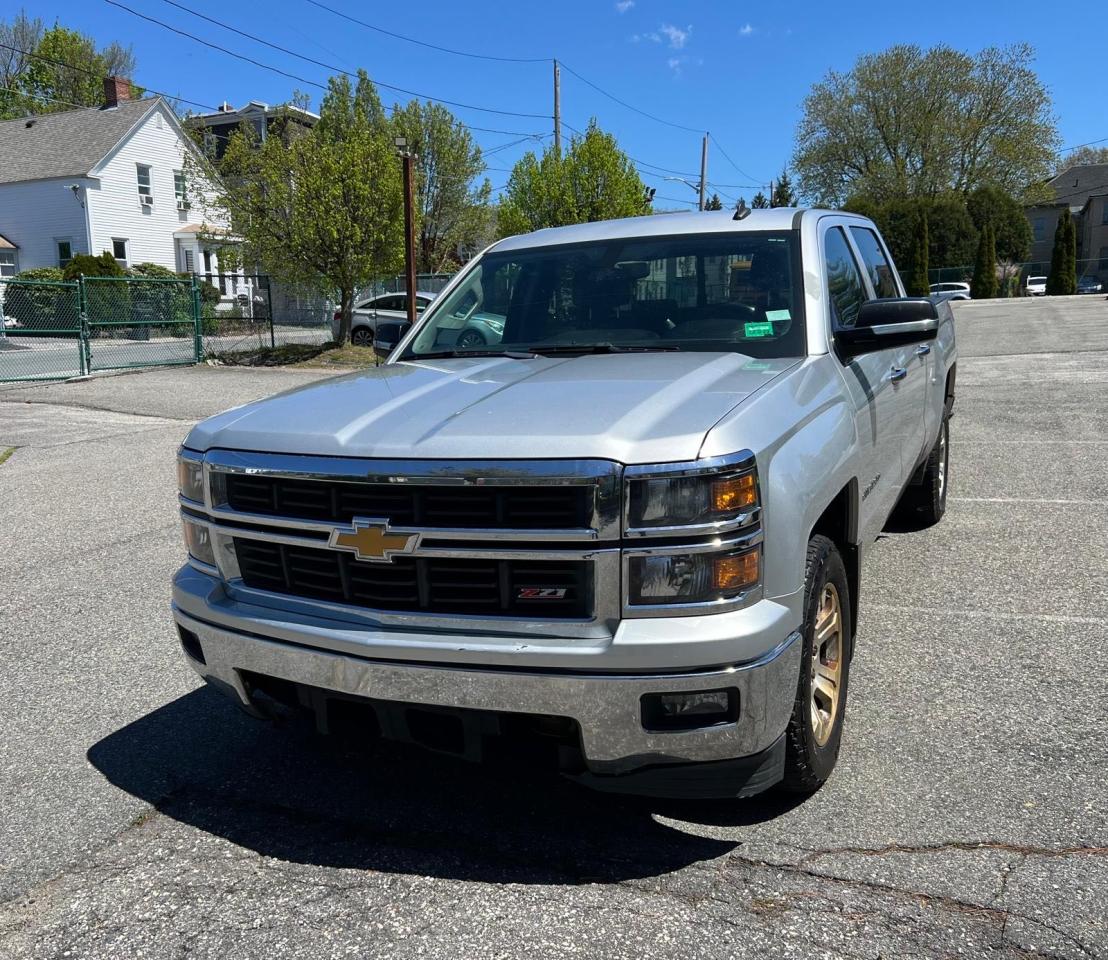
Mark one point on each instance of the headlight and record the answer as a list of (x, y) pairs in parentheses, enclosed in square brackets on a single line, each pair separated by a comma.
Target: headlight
[(713, 496), (198, 541), (190, 477), (693, 577)]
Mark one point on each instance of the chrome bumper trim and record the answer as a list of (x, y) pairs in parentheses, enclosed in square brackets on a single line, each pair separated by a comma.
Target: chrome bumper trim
[(606, 707)]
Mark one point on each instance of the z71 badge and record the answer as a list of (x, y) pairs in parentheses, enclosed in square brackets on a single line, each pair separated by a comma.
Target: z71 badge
[(541, 593)]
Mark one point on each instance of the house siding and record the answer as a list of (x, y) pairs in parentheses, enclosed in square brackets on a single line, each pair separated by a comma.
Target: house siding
[(35, 214), (114, 207)]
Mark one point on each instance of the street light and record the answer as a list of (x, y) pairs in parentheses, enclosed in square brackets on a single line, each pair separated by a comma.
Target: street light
[(688, 183)]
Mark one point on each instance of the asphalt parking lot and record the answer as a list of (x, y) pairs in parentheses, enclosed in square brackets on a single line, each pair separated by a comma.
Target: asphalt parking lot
[(145, 817)]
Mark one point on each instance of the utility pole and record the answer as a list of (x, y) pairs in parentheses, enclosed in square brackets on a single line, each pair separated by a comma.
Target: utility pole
[(771, 203), (407, 159), (703, 169), (557, 109)]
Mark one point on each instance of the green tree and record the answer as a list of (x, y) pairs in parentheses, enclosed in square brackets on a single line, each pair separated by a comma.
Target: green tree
[(952, 237), (21, 34), (783, 195), (595, 180), (1082, 156), (918, 281), (1062, 279), (1005, 215), (984, 270), (760, 202), (714, 203), (451, 213), (909, 122), (324, 208), (43, 81)]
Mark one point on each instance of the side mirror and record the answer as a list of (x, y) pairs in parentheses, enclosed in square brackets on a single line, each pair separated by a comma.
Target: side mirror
[(889, 322), (386, 337)]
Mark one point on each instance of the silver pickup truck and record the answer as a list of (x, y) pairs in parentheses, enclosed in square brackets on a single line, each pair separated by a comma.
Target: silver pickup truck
[(631, 528)]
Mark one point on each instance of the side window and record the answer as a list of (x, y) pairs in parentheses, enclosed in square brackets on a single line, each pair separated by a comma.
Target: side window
[(389, 303), (844, 280), (877, 264)]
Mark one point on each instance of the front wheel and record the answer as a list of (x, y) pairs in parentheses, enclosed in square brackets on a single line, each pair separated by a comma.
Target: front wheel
[(361, 337), (816, 727)]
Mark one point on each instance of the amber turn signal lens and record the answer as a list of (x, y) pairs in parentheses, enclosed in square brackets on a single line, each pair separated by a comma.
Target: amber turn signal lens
[(734, 493), (736, 572)]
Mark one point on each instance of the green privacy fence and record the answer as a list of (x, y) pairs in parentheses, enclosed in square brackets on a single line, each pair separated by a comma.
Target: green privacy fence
[(54, 330)]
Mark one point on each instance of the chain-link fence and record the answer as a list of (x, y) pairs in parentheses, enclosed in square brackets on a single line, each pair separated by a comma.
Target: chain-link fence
[(40, 330), (254, 312), (1092, 276), (53, 330)]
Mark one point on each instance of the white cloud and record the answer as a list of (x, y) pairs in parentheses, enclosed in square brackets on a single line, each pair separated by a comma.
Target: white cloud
[(622, 6), (745, 30), (676, 36), (640, 37)]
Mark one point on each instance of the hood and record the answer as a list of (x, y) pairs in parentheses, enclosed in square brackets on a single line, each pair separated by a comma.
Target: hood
[(634, 408)]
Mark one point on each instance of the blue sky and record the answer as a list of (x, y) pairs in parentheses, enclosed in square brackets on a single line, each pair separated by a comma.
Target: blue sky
[(740, 71)]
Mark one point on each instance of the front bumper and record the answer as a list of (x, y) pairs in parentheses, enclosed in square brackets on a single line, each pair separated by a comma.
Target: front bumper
[(606, 707)]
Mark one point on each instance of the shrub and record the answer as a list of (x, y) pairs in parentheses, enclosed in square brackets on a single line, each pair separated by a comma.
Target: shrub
[(160, 301), (984, 270), (86, 265), (40, 303)]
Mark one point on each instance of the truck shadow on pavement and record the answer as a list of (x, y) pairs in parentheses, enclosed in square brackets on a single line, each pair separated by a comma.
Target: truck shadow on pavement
[(286, 792)]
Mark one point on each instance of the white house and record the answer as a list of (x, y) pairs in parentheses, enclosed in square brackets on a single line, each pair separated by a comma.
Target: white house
[(102, 178)]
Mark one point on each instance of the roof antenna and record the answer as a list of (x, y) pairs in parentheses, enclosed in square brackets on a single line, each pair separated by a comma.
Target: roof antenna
[(741, 210)]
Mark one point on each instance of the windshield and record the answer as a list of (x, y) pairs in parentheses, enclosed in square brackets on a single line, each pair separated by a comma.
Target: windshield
[(735, 292)]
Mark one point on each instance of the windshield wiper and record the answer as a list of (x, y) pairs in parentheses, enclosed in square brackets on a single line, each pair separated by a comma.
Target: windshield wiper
[(547, 349), (450, 354)]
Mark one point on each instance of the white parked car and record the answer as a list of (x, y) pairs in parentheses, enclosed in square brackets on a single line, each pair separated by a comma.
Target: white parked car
[(1035, 286), (949, 291), (368, 313)]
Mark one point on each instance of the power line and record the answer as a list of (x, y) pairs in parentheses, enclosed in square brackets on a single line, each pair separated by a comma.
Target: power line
[(1078, 146), (299, 79), (42, 96), (624, 103), (100, 76), (729, 160), (424, 43)]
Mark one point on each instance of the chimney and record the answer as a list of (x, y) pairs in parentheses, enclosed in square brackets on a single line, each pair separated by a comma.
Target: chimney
[(225, 107), (116, 90)]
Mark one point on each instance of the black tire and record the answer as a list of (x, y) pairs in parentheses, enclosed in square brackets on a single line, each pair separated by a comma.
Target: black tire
[(361, 337), (811, 753), (925, 502), (470, 340)]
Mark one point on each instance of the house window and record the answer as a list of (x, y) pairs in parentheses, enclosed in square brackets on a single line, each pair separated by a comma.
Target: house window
[(190, 264), (1104, 210), (65, 252), (119, 251), (7, 263), (145, 189), (179, 189), (208, 266), (1039, 227)]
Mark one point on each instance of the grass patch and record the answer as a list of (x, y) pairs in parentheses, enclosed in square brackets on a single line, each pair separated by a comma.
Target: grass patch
[(4, 454), (301, 355)]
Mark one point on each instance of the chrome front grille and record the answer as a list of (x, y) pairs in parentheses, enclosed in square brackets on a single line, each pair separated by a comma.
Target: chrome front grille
[(496, 545)]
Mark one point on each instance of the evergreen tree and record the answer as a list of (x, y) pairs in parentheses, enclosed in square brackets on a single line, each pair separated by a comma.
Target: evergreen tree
[(984, 270), (783, 195), (1063, 257), (759, 202), (918, 284), (714, 203)]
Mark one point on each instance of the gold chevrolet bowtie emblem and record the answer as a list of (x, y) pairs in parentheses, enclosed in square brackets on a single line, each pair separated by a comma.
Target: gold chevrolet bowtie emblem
[(371, 540)]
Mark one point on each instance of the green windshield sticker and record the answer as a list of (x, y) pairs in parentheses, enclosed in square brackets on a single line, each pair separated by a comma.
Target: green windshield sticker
[(757, 365), (778, 315), (758, 329)]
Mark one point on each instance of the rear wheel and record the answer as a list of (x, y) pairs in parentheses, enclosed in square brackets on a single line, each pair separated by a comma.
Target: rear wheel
[(927, 500), (470, 340), (361, 337), (816, 726)]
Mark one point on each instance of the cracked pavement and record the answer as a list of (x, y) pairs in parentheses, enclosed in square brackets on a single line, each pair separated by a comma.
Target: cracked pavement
[(143, 816)]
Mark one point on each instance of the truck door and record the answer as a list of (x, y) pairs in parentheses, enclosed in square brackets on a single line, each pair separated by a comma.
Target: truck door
[(869, 385), (911, 367)]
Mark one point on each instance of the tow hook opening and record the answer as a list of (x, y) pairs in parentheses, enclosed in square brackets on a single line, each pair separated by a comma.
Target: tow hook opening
[(190, 643)]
